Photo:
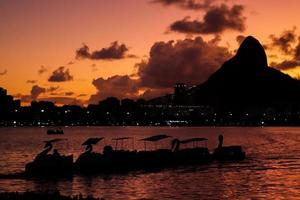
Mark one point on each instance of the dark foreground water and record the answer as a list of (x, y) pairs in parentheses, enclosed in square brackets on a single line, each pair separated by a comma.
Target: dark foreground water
[(271, 170)]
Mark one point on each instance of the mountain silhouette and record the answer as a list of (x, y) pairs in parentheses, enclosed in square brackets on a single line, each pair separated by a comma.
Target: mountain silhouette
[(246, 80)]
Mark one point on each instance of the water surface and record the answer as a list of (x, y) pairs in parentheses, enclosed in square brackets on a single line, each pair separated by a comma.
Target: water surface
[(271, 170)]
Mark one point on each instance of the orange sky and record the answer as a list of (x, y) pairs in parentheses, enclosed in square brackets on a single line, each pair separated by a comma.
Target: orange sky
[(36, 33)]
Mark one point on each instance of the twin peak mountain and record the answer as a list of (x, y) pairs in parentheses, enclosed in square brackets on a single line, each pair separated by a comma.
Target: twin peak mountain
[(246, 80)]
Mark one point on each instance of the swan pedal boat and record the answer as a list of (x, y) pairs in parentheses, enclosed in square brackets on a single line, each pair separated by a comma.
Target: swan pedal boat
[(50, 165), (115, 161)]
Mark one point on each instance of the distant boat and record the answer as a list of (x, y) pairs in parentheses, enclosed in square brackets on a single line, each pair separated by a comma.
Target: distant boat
[(55, 131)]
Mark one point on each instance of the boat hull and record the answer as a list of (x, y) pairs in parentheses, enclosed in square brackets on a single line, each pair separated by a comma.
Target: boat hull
[(229, 153), (55, 132), (124, 161), (50, 166)]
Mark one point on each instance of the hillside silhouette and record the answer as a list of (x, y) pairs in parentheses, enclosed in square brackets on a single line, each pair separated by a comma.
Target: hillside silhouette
[(246, 80)]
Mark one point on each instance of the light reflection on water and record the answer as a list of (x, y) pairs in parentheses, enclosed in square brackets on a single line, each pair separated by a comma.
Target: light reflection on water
[(272, 167)]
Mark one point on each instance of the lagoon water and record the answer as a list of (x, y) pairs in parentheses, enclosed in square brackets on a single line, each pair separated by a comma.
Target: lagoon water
[(271, 170)]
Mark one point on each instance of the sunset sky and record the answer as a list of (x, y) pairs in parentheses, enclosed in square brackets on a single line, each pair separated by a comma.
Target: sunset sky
[(81, 51)]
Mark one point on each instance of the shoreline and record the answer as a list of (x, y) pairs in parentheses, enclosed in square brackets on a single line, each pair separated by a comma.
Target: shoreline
[(130, 126), (45, 195)]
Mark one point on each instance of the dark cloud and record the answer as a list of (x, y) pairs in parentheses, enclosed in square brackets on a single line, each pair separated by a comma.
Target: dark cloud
[(297, 50), (42, 70), (187, 4), (190, 61), (63, 100), (56, 100), (285, 41), (3, 72), (60, 75), (69, 93), (216, 20), (83, 52), (36, 91), (31, 81), (52, 89), (286, 64), (23, 98), (71, 63), (132, 56), (115, 86), (82, 95), (124, 87), (113, 52)]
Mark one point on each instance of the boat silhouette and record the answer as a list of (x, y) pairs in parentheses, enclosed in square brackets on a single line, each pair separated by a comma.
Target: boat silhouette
[(50, 165), (55, 131), (121, 160), (228, 153), (89, 161), (192, 155), (121, 140)]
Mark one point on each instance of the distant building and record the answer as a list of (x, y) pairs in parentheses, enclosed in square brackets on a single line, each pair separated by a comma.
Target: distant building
[(180, 90), (7, 103), (3, 92)]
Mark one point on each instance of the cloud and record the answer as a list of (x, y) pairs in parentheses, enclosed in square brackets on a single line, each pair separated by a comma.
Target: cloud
[(61, 75), (63, 100), (3, 72), (114, 52), (23, 98), (286, 64), (71, 63), (124, 87), (42, 70), (52, 88), (82, 95), (36, 91), (297, 50), (190, 61), (216, 20), (31, 81), (115, 86), (285, 41), (83, 52), (187, 4), (69, 93)]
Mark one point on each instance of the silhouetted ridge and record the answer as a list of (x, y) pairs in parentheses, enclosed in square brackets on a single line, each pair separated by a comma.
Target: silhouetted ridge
[(246, 80), (248, 64), (251, 53)]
